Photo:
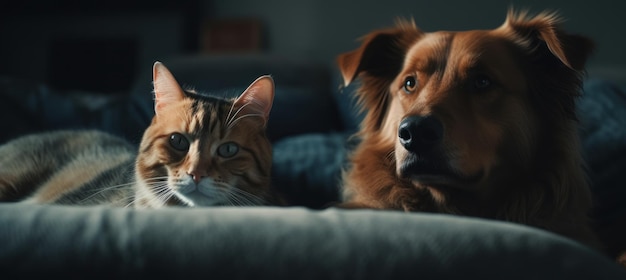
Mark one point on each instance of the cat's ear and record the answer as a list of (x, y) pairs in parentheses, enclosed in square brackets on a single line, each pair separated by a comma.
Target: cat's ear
[(257, 99), (166, 88)]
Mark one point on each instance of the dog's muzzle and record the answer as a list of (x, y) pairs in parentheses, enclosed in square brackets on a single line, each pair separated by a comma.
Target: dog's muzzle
[(425, 162), (419, 134), (422, 136)]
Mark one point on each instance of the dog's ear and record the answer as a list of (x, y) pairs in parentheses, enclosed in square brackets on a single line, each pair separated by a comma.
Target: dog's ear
[(572, 50), (381, 54)]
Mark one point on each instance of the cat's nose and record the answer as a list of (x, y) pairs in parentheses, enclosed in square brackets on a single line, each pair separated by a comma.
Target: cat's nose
[(197, 175)]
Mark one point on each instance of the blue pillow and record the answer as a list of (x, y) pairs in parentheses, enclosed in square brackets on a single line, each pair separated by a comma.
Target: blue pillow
[(602, 112), (307, 168), (347, 103)]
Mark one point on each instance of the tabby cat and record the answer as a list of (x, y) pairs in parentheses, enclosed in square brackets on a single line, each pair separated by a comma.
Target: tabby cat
[(198, 151)]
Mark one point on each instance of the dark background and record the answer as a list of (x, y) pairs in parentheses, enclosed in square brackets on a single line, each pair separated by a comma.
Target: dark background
[(104, 45)]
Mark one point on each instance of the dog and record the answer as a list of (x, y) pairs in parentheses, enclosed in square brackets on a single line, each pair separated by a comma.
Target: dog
[(478, 123)]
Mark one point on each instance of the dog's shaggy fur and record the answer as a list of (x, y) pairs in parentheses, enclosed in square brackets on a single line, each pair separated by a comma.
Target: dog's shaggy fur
[(479, 123)]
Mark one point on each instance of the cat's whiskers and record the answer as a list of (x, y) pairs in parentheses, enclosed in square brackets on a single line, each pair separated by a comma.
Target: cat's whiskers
[(105, 189), (132, 200), (256, 102), (123, 201), (244, 116), (235, 119), (230, 197), (243, 198), (97, 191), (159, 187), (161, 192), (217, 192), (229, 118)]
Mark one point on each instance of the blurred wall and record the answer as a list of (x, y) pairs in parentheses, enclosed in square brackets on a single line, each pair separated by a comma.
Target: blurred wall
[(321, 29), (43, 40), (93, 45)]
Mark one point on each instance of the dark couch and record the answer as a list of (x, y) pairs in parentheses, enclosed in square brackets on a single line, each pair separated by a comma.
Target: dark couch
[(310, 124)]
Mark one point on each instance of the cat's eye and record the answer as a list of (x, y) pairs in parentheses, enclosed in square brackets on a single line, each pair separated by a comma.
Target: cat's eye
[(179, 142), (228, 149), (409, 85)]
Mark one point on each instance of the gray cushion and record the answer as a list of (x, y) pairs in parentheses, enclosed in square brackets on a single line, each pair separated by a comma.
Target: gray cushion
[(281, 243)]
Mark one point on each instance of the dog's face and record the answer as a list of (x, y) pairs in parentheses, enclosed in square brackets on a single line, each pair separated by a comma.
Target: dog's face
[(449, 105), (459, 107)]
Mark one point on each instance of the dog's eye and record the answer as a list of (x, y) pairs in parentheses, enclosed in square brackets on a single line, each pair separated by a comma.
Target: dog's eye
[(179, 142), (481, 82), (410, 83)]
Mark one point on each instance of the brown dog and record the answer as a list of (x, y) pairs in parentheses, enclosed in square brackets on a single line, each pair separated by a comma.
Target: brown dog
[(479, 123)]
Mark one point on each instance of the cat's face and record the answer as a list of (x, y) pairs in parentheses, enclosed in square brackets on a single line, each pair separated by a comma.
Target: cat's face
[(204, 151)]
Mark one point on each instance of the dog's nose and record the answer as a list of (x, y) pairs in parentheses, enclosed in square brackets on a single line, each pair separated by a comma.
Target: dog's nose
[(417, 133)]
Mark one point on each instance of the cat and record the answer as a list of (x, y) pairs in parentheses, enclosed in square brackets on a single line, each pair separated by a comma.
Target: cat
[(199, 150)]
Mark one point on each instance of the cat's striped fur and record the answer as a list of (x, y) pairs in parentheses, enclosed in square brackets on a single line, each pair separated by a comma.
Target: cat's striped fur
[(198, 151), (66, 167)]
